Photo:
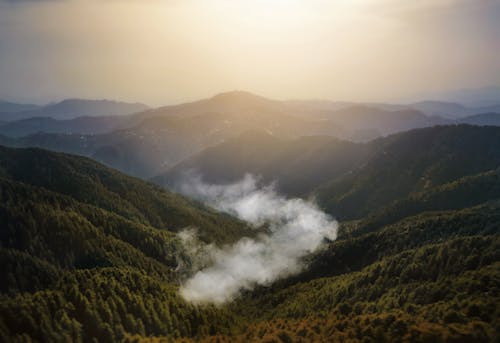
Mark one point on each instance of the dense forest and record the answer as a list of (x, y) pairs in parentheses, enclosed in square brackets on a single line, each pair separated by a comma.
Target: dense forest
[(92, 255)]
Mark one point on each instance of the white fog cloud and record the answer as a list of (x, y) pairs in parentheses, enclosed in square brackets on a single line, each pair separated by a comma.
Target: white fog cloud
[(296, 229)]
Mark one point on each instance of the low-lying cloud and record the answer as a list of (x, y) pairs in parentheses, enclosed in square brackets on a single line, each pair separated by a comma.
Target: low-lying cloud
[(296, 229)]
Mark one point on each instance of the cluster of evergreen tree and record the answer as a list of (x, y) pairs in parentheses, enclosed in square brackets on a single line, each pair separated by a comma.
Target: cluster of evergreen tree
[(90, 255), (435, 277), (408, 163)]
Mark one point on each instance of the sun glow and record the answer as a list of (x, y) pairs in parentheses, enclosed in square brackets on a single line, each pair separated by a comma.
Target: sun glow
[(169, 51)]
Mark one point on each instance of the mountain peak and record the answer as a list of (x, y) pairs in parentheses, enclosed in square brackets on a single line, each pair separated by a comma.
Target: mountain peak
[(80, 101), (240, 96)]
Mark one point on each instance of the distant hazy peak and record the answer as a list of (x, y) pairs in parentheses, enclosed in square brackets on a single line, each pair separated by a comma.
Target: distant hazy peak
[(96, 102), (241, 97), (437, 103), (73, 108), (235, 94), (367, 108), (9, 107)]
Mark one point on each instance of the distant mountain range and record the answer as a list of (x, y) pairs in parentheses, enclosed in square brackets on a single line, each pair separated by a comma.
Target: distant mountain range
[(69, 109), (79, 125), (11, 107), (445, 110), (476, 97), (381, 117), (482, 119), (150, 142)]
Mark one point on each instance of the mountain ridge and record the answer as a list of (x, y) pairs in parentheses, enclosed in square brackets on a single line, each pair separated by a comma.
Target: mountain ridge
[(73, 108)]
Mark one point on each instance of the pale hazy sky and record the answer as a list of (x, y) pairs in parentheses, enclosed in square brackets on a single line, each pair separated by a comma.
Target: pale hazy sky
[(168, 51)]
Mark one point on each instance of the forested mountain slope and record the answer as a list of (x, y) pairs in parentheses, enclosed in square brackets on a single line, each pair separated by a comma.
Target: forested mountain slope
[(462, 193), (89, 182), (297, 166), (84, 248), (90, 254), (349, 179), (433, 277), (410, 162)]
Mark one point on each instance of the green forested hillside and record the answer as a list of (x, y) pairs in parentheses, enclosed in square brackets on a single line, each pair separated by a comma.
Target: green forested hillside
[(411, 162), (91, 183), (297, 165), (89, 254), (464, 192), (431, 278), (89, 245), (435, 293), (347, 179)]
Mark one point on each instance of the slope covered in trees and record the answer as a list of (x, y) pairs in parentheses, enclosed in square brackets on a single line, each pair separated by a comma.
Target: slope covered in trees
[(91, 183), (90, 254), (411, 162), (347, 179), (297, 165)]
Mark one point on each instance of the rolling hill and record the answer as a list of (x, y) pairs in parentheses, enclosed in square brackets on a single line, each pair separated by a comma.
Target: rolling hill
[(348, 120), (89, 182), (411, 162), (344, 176), (147, 143), (12, 107), (79, 125), (159, 139), (150, 142), (296, 165), (73, 108), (448, 110), (90, 254), (482, 119), (69, 224), (357, 118)]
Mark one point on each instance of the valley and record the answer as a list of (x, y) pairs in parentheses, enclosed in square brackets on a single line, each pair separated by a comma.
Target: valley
[(222, 171), (98, 255)]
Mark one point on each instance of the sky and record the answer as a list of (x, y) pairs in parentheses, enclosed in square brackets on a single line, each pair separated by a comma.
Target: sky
[(169, 51)]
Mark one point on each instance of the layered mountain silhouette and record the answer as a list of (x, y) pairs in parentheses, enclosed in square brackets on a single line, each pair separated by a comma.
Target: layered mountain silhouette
[(344, 177), (79, 125), (73, 108), (296, 165), (150, 142), (411, 162), (12, 107), (351, 116), (483, 119)]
